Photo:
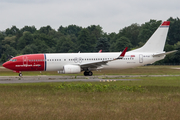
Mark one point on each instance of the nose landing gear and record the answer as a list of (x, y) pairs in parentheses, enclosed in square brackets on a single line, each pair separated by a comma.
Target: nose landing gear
[(20, 74)]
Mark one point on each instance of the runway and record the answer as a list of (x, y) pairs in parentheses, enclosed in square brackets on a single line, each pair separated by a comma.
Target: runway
[(44, 78), (102, 78)]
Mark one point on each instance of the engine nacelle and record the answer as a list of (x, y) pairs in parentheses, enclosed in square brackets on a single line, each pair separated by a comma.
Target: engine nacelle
[(71, 69)]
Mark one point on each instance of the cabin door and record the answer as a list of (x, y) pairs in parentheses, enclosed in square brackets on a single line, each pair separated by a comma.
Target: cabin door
[(25, 60), (140, 58)]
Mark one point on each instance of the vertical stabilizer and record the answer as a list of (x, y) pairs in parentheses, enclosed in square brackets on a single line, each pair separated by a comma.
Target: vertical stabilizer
[(157, 41)]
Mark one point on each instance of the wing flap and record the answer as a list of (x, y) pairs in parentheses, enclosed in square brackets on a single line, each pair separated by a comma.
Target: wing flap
[(93, 64)]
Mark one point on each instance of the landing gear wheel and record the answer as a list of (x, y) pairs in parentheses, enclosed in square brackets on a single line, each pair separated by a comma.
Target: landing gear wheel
[(85, 73), (88, 73), (20, 74)]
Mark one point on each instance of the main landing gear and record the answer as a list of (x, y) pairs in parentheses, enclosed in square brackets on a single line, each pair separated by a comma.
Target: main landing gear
[(88, 73)]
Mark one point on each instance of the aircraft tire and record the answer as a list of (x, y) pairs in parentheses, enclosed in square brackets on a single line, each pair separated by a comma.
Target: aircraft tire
[(20, 74), (85, 73), (90, 73)]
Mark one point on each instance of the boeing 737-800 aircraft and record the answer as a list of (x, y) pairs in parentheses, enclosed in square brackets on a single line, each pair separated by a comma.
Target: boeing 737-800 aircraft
[(151, 52)]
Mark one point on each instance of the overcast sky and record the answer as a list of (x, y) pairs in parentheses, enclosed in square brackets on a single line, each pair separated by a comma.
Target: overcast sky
[(111, 15)]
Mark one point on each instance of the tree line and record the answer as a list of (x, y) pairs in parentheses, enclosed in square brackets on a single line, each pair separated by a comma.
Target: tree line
[(73, 38)]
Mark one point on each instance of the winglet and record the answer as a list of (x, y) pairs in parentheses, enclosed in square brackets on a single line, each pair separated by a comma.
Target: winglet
[(100, 51), (123, 53)]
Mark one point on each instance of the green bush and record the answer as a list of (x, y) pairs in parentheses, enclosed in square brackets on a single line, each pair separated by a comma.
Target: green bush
[(89, 87)]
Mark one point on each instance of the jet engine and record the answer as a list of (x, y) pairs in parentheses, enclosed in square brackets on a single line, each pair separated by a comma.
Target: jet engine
[(71, 69)]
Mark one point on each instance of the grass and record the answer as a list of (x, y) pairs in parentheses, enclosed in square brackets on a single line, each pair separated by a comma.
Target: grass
[(150, 98)]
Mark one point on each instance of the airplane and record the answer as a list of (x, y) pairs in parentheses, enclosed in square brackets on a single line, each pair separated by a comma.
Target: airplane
[(68, 63)]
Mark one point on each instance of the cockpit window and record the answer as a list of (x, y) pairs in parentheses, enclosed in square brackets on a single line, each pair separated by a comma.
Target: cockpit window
[(13, 60)]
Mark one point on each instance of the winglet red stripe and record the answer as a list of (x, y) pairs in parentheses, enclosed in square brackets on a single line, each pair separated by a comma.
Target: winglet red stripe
[(165, 23)]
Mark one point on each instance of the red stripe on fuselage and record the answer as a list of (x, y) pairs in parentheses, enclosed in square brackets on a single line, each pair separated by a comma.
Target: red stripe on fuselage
[(32, 62)]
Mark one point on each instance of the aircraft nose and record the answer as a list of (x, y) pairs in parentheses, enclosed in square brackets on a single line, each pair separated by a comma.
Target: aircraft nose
[(6, 65)]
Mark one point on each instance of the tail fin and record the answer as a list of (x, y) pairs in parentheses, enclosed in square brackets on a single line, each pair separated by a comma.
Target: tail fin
[(157, 41)]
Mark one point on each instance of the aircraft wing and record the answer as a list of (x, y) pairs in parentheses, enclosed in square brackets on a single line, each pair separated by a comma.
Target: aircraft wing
[(96, 64), (155, 55), (93, 64)]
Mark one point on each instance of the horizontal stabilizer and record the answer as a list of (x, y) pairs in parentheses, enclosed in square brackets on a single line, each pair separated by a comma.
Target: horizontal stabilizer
[(164, 53)]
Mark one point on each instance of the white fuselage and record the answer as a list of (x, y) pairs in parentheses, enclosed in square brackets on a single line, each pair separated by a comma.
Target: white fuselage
[(55, 62)]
